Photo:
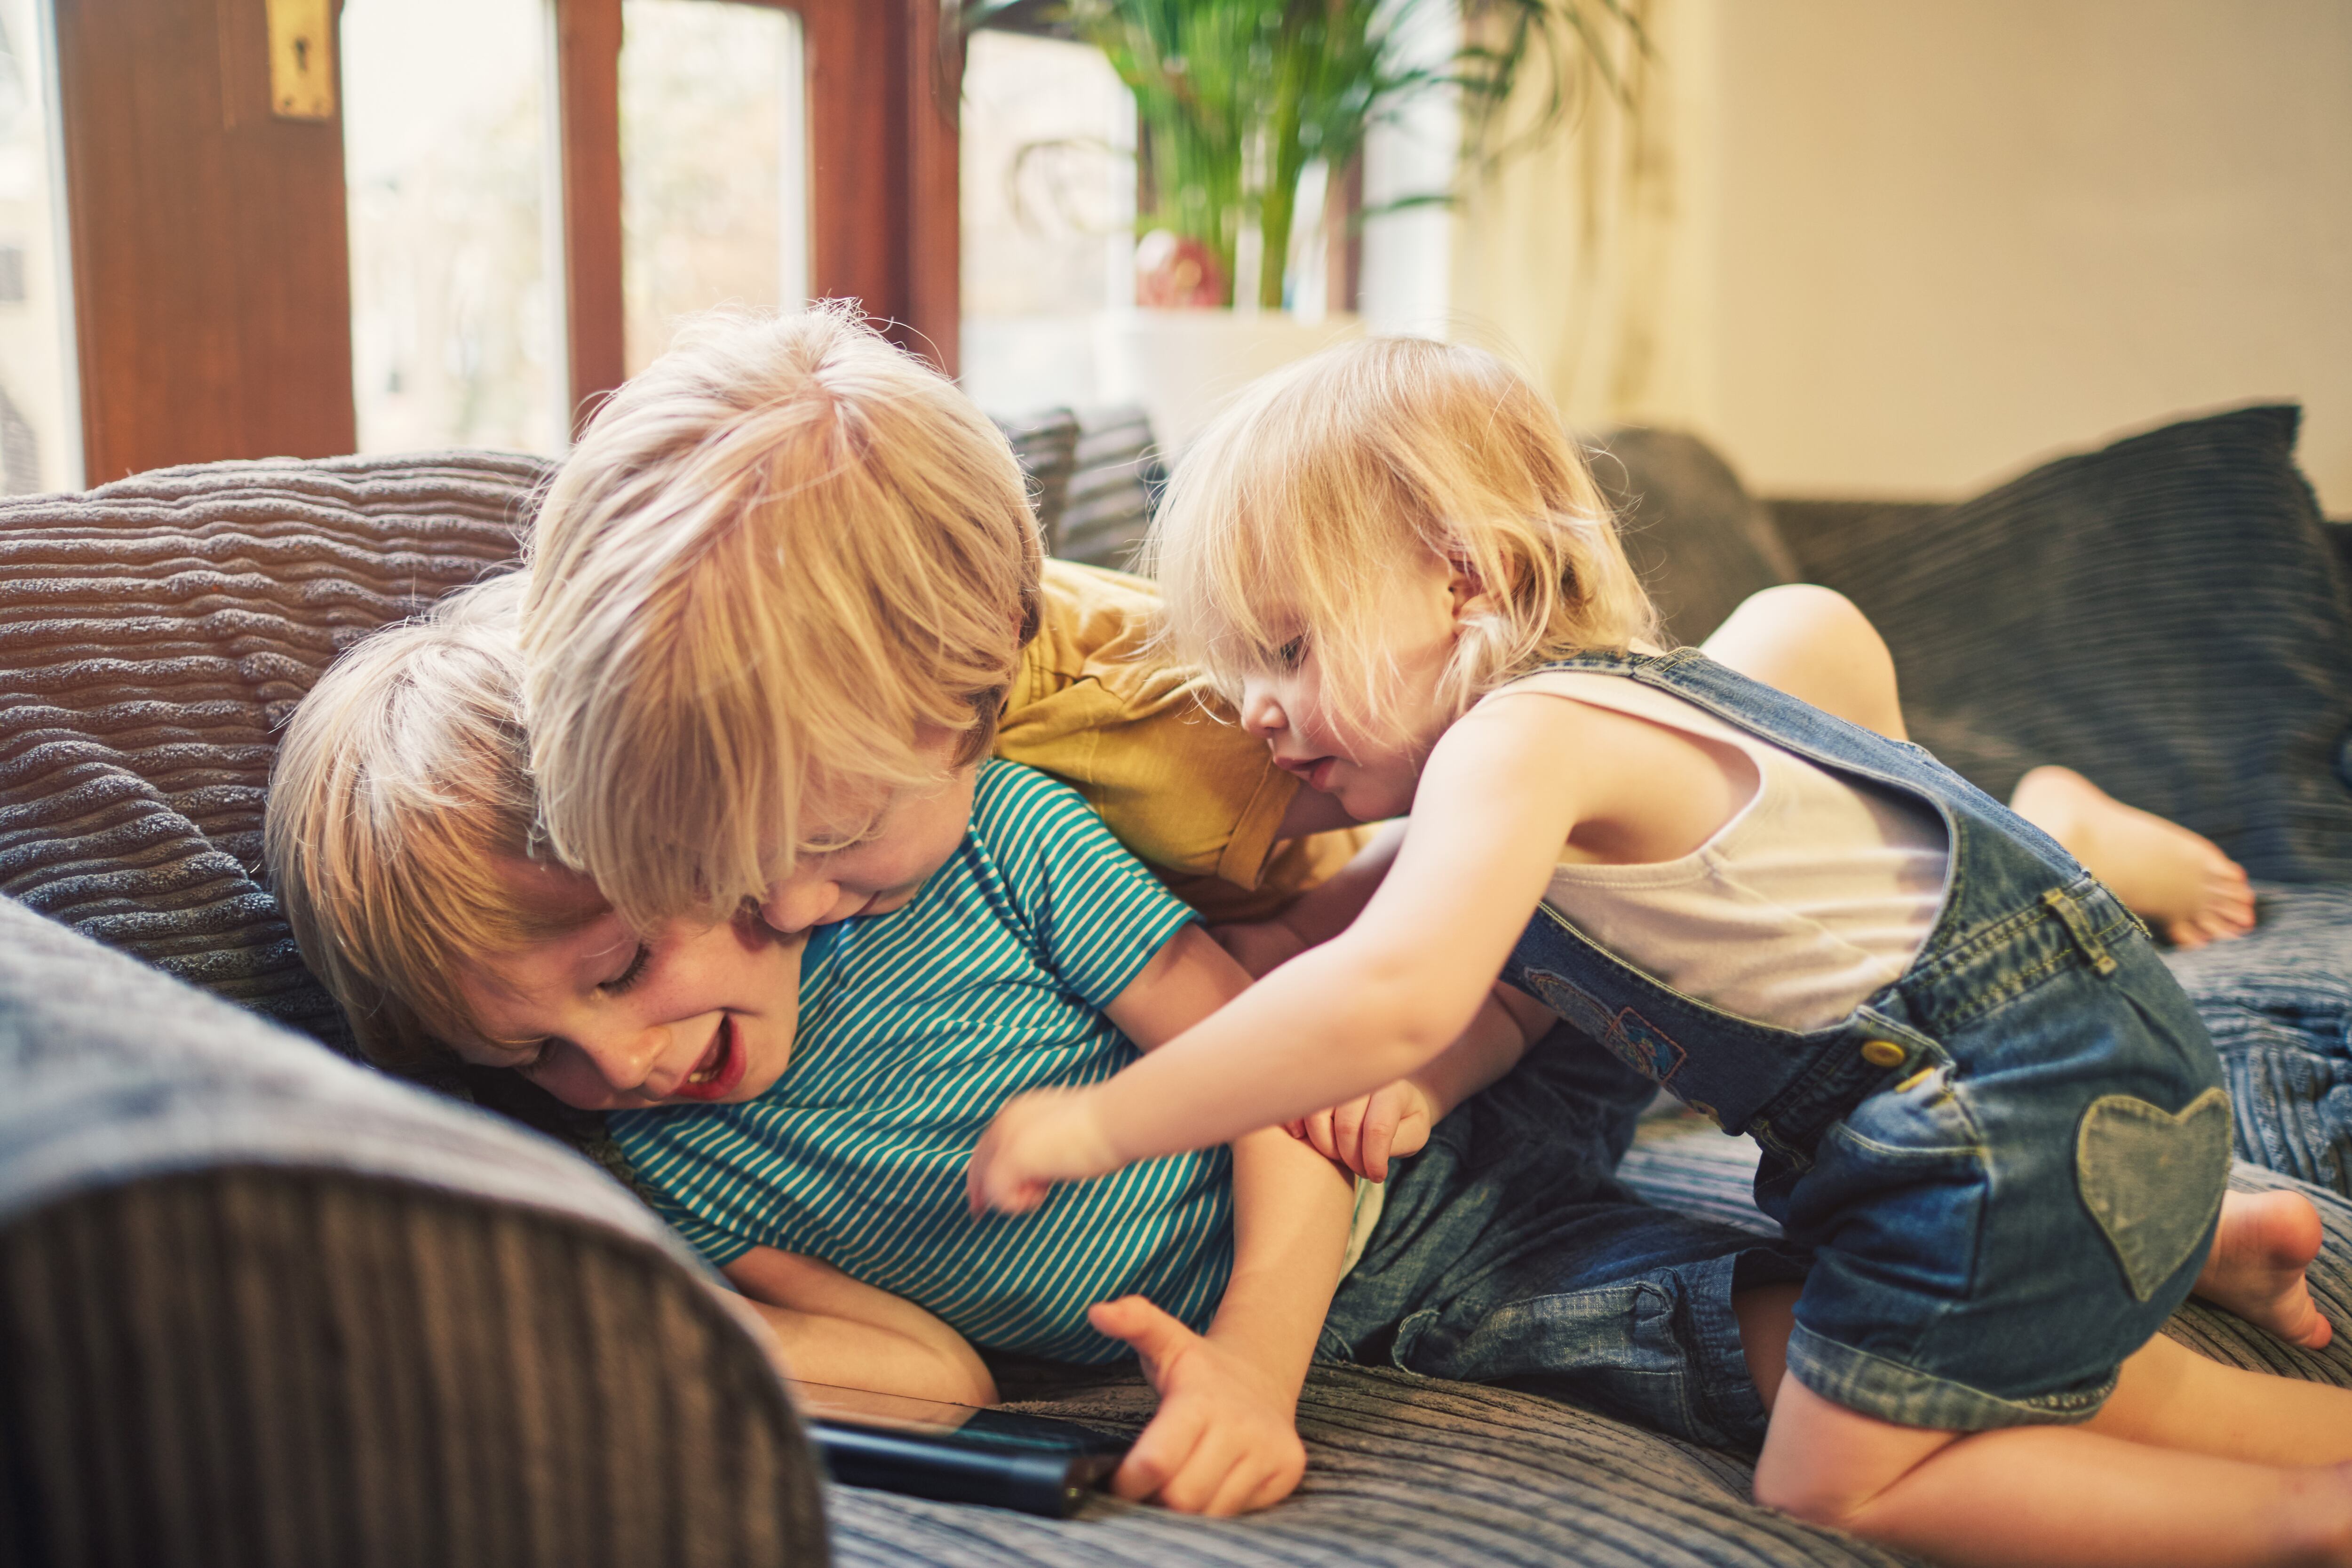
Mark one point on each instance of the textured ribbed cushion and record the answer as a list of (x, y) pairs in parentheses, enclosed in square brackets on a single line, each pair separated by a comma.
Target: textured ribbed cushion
[(1112, 491), (155, 633), (1047, 446), (258, 1305), (2167, 617), (1700, 541), (1405, 1471)]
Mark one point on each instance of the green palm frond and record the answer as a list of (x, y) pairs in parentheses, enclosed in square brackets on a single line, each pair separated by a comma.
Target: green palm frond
[(1235, 98)]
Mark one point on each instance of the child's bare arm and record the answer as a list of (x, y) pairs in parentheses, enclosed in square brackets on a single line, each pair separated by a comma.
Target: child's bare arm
[(1366, 1133), (833, 1329), (1377, 1003), (1321, 912), (1224, 1440)]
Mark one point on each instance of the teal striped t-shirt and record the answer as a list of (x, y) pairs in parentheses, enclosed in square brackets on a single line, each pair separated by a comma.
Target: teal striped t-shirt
[(915, 1027)]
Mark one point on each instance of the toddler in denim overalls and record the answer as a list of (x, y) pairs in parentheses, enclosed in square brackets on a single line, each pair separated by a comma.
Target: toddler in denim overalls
[(2010, 1159)]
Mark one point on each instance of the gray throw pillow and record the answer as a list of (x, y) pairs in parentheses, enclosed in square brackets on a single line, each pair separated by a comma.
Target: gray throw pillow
[(1699, 541), (158, 632), (2167, 616)]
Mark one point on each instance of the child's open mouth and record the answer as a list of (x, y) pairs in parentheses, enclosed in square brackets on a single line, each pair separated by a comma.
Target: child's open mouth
[(720, 1068)]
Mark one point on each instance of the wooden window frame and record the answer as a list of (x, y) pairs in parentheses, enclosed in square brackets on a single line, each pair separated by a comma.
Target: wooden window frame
[(210, 238), (883, 219)]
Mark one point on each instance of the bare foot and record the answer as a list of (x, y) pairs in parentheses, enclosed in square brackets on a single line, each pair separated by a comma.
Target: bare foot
[(2179, 881), (2257, 1268)]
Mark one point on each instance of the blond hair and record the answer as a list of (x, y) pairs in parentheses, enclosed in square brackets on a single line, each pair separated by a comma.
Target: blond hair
[(402, 782), (1292, 513), (777, 559)]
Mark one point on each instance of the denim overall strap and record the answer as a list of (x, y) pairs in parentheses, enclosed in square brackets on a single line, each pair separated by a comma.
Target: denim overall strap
[(2006, 879)]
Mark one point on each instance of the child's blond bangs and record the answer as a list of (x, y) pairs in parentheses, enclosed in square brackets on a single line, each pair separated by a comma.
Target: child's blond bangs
[(401, 785), (1295, 511), (780, 561)]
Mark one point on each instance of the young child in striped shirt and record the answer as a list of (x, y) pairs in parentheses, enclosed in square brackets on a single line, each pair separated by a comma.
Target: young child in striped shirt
[(803, 1106)]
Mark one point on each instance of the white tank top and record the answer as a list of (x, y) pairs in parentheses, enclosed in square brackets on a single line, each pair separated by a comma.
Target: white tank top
[(1818, 891)]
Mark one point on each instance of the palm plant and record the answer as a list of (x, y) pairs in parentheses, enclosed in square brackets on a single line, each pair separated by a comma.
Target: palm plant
[(1235, 98)]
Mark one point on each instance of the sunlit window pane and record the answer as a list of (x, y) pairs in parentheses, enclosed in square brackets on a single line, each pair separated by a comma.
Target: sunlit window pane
[(447, 151), (40, 427), (1048, 176), (714, 164)]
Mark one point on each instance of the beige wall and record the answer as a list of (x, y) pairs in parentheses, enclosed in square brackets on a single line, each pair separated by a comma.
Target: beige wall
[(1909, 247)]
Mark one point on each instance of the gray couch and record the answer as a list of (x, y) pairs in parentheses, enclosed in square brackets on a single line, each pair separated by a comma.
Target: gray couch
[(263, 1306)]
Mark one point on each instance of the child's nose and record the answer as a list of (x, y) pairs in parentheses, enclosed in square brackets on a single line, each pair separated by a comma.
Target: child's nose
[(794, 906), (1261, 715), (622, 1056)]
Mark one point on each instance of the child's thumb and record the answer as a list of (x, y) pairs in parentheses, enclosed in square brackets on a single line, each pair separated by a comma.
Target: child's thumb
[(1155, 1335)]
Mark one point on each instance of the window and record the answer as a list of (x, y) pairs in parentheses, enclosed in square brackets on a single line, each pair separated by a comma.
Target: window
[(1048, 241), (40, 424), (448, 165), (714, 164)]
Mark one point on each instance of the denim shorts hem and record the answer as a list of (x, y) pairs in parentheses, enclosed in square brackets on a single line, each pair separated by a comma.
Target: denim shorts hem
[(1893, 1392)]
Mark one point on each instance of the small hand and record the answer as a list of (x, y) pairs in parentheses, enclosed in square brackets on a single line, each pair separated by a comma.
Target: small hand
[(1039, 1139), (1365, 1133), (1259, 947), (1225, 1440)]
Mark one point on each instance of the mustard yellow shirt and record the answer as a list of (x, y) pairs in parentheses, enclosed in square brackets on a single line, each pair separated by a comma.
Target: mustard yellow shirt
[(1156, 753)]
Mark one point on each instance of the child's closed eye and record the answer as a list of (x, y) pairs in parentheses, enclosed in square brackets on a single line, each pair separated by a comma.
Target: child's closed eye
[(631, 975)]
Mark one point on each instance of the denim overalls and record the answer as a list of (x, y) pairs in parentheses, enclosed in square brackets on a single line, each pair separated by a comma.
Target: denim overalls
[(2009, 1162)]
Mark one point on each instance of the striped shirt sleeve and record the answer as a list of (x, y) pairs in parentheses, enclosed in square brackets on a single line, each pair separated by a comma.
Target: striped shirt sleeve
[(719, 1247), (1097, 913)]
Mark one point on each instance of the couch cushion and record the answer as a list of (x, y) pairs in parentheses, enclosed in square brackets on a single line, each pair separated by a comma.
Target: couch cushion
[(1407, 1472), (155, 633), (1046, 447), (1700, 541), (258, 1305), (1112, 491), (2167, 615)]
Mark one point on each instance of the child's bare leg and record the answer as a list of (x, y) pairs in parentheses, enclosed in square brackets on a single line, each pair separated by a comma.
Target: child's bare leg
[(2044, 1495), (1812, 644), (2168, 1397), (2262, 1255), (2179, 881)]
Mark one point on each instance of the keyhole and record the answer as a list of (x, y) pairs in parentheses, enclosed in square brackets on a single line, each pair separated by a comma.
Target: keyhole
[(302, 55)]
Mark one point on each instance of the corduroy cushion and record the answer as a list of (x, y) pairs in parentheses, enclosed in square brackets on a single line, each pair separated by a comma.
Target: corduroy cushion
[(2167, 616), (1699, 541), (154, 635), (1046, 447), (260, 1305)]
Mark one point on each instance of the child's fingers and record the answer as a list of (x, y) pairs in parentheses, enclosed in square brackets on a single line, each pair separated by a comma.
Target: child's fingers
[(1239, 1484), (1318, 1133), (1412, 1136), (1161, 1453), (1280, 1481), (1348, 1132), (1296, 1129), (991, 1186), (1381, 1119), (1154, 1336), (1198, 1482)]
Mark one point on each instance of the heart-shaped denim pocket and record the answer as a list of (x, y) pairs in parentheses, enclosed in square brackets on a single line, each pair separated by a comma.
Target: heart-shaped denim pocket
[(2153, 1180)]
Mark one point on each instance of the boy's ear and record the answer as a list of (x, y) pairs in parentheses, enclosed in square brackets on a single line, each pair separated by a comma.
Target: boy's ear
[(1467, 590)]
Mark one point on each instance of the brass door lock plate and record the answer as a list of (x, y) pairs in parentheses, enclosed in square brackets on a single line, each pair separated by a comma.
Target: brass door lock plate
[(301, 60)]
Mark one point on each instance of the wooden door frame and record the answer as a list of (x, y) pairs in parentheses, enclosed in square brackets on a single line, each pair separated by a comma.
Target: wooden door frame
[(211, 254), (884, 195)]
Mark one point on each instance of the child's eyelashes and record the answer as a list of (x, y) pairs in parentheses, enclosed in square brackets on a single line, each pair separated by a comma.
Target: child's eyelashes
[(1289, 656), (632, 974)]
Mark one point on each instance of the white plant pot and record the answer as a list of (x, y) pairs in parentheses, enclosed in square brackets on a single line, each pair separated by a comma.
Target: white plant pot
[(1182, 365)]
